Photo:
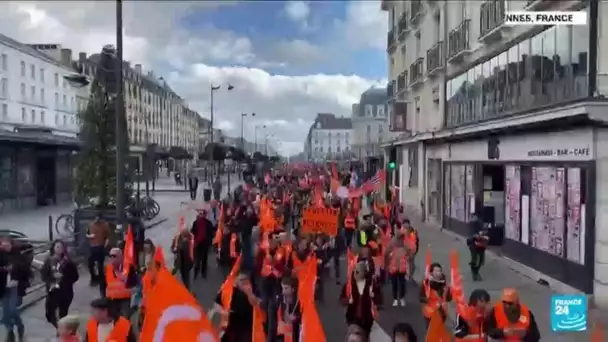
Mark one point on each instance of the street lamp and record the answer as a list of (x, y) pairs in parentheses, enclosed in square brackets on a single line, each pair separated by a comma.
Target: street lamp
[(255, 135), (243, 115), (213, 90)]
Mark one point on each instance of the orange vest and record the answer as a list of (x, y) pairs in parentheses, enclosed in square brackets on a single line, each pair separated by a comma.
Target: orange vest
[(284, 328), (397, 264), (434, 301), (476, 333), (115, 288), (502, 322), (410, 240), (119, 333), (349, 222), (267, 267)]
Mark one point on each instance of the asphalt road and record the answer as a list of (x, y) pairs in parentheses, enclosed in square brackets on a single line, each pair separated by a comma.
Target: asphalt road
[(330, 311)]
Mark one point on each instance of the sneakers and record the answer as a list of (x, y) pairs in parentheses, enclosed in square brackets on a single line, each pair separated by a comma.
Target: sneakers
[(402, 302), (395, 303)]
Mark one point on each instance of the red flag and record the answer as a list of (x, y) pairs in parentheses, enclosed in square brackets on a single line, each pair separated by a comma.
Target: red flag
[(129, 252)]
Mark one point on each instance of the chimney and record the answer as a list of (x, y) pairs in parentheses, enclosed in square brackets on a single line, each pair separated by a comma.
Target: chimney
[(82, 56), (138, 68), (66, 56)]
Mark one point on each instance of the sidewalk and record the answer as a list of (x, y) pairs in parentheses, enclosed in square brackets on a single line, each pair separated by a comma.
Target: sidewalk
[(496, 275), (39, 330)]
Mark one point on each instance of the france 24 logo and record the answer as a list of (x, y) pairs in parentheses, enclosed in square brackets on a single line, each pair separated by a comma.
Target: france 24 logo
[(568, 313)]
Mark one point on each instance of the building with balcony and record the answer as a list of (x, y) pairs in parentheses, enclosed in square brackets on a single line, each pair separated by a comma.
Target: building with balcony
[(521, 139), (370, 123), (38, 127), (329, 138), (417, 60)]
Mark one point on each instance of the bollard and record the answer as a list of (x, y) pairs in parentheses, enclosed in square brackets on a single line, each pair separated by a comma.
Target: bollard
[(50, 227)]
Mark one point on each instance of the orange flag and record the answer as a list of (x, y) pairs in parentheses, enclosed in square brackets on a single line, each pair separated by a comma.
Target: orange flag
[(456, 286), (227, 288), (171, 310), (129, 252), (159, 256), (220, 228), (312, 329), (351, 261), (598, 333), (428, 260), (258, 334), (437, 331)]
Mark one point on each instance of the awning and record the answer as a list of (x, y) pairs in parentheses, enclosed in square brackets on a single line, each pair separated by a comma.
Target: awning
[(40, 137), (178, 152)]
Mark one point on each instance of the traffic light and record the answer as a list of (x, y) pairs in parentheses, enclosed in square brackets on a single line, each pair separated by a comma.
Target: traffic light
[(392, 165)]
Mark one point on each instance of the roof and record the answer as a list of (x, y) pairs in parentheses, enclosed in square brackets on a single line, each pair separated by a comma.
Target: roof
[(10, 42), (330, 121), (374, 95)]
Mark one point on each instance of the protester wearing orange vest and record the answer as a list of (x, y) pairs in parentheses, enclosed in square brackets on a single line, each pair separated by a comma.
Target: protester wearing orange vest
[(288, 312), (435, 293), (412, 241), (183, 248), (469, 325), (350, 226), (105, 325), (120, 282), (512, 321), (398, 269)]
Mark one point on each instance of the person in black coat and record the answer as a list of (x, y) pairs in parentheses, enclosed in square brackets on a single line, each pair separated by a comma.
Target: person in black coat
[(59, 274), (202, 232), (15, 277)]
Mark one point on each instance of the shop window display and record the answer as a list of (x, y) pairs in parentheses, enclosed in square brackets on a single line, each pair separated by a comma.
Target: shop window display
[(574, 217), (547, 221), (512, 202)]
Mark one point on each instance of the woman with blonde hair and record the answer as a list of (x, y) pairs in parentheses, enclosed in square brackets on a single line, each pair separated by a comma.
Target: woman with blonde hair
[(67, 329)]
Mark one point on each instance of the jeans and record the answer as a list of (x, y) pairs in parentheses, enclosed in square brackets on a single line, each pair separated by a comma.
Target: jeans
[(247, 252), (399, 285), (96, 268), (11, 316), (57, 305), (477, 261)]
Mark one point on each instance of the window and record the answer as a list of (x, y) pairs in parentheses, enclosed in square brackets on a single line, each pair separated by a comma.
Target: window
[(380, 110), (418, 48), (65, 120), (23, 115), (391, 18), (22, 69), (33, 93), (380, 129), (23, 91), (65, 101), (403, 57), (338, 149), (33, 116), (42, 117), (56, 80), (33, 71), (4, 111), (369, 129), (42, 75), (56, 100), (57, 119), (437, 25), (4, 62), (42, 96), (4, 88), (369, 109)]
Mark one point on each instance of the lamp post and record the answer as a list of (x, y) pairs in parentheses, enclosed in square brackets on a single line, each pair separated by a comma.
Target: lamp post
[(243, 115), (120, 111), (213, 89), (255, 135)]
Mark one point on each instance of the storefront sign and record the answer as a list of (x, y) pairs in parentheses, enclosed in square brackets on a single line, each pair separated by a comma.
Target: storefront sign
[(560, 152)]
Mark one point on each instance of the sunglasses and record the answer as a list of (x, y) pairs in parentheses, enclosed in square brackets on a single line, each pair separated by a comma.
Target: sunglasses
[(113, 256), (507, 303)]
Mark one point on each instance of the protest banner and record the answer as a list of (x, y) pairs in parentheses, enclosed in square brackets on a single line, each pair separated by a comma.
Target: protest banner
[(320, 220)]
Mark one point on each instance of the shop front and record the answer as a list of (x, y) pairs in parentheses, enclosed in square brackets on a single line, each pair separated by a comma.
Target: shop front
[(535, 193)]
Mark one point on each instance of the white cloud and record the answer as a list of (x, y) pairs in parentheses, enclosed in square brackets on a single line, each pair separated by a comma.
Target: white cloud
[(365, 25), (298, 11), (154, 37)]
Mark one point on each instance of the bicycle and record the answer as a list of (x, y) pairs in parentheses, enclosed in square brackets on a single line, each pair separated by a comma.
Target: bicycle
[(64, 225), (146, 207)]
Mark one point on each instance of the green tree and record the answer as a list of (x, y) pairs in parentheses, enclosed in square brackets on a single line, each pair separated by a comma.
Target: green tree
[(96, 166)]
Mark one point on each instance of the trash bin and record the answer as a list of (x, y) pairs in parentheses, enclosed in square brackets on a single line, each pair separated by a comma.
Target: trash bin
[(206, 195)]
